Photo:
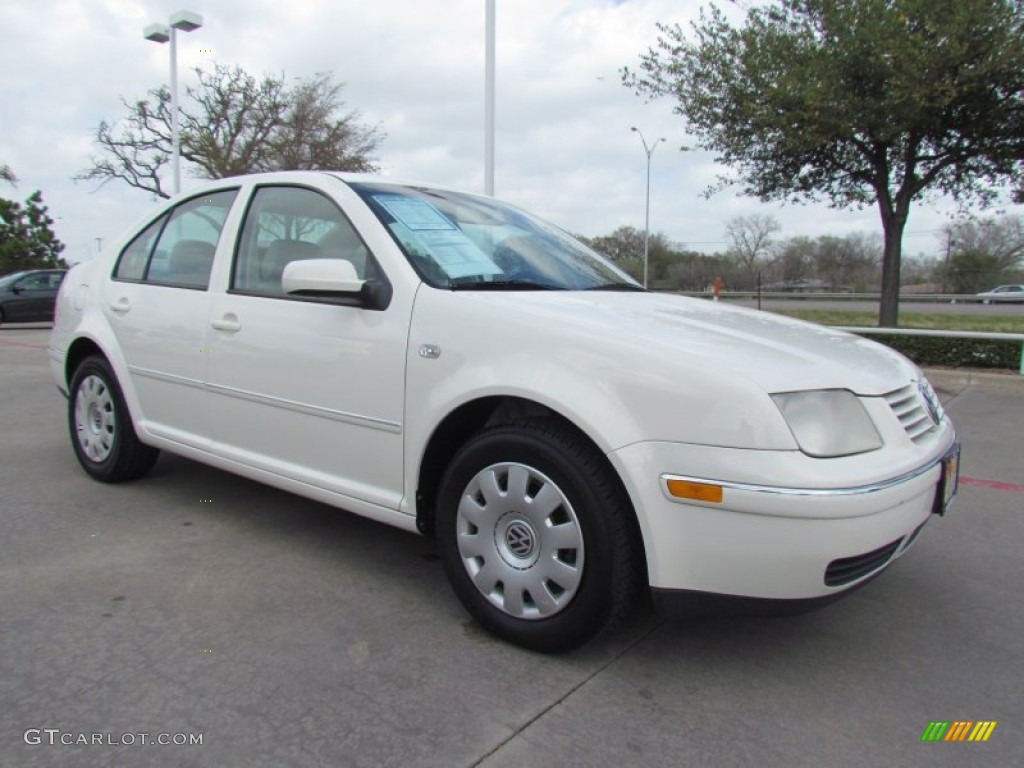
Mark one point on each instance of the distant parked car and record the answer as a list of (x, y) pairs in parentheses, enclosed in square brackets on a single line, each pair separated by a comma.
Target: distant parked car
[(447, 363), (1003, 293), (29, 297)]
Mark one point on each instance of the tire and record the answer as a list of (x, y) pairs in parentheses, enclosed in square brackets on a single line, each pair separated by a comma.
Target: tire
[(101, 428), (547, 577)]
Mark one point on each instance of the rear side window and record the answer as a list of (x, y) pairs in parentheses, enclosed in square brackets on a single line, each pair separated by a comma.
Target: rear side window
[(135, 257), (178, 249)]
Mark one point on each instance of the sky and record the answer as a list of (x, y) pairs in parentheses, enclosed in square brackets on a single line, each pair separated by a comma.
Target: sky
[(415, 68)]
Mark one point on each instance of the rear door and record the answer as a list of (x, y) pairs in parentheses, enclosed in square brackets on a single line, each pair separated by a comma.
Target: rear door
[(157, 304)]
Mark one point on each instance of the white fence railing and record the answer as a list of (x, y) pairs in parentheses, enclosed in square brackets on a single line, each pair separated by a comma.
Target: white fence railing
[(1017, 337), (932, 298)]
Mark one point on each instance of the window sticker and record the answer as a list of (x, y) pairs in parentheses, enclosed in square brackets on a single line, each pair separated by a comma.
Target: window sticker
[(418, 223), (416, 214)]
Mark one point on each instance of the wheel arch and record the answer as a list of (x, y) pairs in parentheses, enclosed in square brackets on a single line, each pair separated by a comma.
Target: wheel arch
[(88, 343), (80, 348), (473, 416)]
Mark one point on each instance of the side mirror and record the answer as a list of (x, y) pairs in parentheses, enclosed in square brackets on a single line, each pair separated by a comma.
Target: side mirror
[(18, 288), (334, 280), (322, 278)]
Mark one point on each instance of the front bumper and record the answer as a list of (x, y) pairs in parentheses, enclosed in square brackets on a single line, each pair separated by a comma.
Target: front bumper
[(804, 537)]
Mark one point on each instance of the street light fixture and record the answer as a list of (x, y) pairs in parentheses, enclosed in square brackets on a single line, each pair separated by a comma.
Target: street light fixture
[(649, 150), (186, 21)]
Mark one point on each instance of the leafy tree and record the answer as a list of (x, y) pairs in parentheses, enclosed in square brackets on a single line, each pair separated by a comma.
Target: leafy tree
[(235, 124), (693, 271), (1001, 237), (981, 254), (794, 260), (625, 247), (859, 102), (27, 240), (847, 263), (972, 271)]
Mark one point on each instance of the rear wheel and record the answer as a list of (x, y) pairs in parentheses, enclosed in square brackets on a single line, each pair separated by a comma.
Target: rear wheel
[(536, 536), (101, 428)]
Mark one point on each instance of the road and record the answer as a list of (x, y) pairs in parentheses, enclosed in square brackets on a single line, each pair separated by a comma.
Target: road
[(285, 633)]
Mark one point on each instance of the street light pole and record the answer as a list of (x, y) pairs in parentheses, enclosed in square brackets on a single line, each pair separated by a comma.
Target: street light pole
[(186, 21), (648, 150), (489, 98)]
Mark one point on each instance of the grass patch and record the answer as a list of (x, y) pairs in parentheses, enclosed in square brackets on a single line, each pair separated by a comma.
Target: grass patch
[(937, 321)]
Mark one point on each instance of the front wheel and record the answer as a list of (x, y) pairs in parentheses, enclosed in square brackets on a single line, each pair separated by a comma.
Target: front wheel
[(101, 427), (536, 536)]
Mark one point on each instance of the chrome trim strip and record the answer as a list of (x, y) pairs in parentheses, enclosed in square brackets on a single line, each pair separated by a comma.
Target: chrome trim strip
[(310, 410), (859, 490), (370, 422), (168, 378)]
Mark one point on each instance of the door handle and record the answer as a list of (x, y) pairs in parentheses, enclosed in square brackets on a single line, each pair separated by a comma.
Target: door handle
[(121, 306), (228, 323)]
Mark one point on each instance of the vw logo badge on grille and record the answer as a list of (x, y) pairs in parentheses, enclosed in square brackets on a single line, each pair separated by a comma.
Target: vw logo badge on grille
[(519, 539)]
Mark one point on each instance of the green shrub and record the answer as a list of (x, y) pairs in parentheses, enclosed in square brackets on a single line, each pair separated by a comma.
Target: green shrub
[(954, 352)]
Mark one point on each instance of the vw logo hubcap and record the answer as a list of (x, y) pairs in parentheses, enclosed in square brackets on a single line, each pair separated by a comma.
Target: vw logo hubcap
[(519, 540)]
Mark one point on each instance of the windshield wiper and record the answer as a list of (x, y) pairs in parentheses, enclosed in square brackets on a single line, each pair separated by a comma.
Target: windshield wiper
[(616, 287), (503, 285)]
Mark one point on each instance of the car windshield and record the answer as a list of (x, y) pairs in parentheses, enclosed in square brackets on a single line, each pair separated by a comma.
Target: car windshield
[(465, 242)]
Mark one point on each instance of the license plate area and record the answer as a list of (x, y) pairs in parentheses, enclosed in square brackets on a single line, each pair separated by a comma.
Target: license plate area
[(949, 480)]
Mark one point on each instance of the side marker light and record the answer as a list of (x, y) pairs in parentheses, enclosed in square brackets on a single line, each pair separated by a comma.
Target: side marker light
[(683, 489)]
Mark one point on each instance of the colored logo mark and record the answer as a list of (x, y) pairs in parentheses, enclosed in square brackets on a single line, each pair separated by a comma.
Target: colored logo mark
[(958, 730)]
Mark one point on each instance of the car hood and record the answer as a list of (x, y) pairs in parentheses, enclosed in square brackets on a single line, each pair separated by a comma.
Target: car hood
[(777, 353)]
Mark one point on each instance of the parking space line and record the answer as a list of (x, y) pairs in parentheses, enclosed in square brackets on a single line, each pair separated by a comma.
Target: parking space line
[(996, 485)]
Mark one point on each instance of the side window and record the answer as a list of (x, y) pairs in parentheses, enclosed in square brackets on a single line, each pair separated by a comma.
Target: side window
[(34, 282), (134, 258), (184, 252), (285, 224)]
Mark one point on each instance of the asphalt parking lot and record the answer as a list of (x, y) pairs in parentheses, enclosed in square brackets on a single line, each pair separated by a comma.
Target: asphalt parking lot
[(285, 633)]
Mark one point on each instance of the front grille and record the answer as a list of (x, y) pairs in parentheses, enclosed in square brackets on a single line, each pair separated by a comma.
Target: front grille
[(848, 569), (912, 411)]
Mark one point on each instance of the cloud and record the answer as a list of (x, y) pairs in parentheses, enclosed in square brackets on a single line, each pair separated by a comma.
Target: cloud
[(563, 144)]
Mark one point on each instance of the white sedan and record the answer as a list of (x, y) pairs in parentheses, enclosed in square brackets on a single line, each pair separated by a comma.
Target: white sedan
[(446, 363), (1003, 293)]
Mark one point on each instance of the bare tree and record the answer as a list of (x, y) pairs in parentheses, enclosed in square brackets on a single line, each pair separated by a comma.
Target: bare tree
[(1001, 237), (6, 174), (235, 124), (982, 253), (750, 239)]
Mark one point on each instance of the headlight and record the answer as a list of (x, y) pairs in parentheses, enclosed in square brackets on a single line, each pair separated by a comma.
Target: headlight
[(828, 423)]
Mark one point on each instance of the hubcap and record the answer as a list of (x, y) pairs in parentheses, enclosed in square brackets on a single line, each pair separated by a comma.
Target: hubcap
[(520, 540), (94, 418)]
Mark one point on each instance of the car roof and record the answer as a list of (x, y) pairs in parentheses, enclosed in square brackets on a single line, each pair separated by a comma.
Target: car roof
[(299, 176)]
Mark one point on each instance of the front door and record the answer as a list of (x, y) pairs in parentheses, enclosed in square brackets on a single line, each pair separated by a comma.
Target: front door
[(301, 388)]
